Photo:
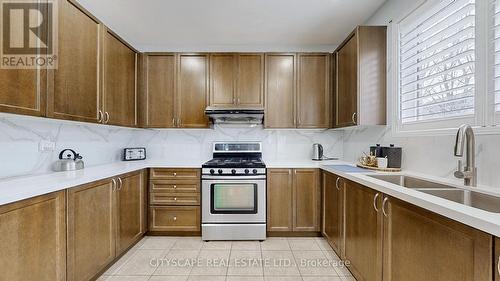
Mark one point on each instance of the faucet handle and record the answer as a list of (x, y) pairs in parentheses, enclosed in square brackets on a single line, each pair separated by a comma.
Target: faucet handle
[(460, 166), (459, 173)]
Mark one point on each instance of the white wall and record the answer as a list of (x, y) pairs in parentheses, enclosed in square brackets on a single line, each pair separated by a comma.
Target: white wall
[(425, 154), (98, 144)]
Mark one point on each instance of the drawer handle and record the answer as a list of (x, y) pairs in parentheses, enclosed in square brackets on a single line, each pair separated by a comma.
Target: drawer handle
[(383, 206), (175, 198), (175, 218), (375, 202), (175, 174), (175, 186), (337, 183)]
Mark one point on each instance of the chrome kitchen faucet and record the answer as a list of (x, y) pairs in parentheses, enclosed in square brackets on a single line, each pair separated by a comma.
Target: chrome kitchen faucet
[(465, 134)]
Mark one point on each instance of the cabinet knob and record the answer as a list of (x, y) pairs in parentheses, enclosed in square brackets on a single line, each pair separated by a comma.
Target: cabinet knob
[(175, 198), (175, 218), (175, 174), (175, 186)]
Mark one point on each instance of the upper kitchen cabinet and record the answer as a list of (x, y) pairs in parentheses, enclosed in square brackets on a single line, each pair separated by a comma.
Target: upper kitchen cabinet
[(360, 78), (119, 81), (236, 80), (192, 91), (157, 81), (222, 79), (75, 92), (20, 92), (280, 91), (313, 95)]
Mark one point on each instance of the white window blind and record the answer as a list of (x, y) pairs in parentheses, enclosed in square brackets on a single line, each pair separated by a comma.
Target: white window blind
[(495, 31), (437, 63)]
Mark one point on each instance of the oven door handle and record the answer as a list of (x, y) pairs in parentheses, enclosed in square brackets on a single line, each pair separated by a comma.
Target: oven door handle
[(239, 178)]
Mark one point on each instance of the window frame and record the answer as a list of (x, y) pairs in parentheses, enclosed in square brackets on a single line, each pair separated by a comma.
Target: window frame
[(485, 120)]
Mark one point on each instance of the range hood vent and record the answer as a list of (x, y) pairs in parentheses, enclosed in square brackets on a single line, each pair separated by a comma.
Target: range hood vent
[(244, 116)]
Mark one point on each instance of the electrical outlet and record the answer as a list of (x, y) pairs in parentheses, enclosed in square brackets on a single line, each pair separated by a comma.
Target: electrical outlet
[(45, 145)]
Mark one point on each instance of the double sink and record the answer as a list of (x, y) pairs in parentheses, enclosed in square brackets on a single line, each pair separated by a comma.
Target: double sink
[(466, 197)]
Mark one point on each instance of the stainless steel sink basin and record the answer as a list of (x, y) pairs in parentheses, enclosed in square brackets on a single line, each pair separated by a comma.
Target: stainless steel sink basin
[(469, 198), (410, 182)]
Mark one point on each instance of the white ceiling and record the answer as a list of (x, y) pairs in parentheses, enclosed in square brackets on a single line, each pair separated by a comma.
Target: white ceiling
[(233, 25)]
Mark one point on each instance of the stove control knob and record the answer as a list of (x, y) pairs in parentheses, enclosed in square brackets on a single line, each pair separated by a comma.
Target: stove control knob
[(220, 171), (212, 171), (233, 171), (247, 171), (254, 171)]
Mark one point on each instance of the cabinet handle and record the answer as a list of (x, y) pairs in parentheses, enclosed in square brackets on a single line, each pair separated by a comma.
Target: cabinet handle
[(498, 265), (175, 174), (173, 121), (113, 181), (383, 206), (337, 183), (175, 198), (175, 186), (106, 117), (238, 101), (375, 202), (121, 183), (354, 118), (99, 116), (175, 218), (179, 122)]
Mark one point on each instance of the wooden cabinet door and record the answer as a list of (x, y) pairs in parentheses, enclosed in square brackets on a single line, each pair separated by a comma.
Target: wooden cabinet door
[(347, 84), (280, 91), (306, 200), (120, 101), (157, 97), (20, 93), (91, 229), (279, 200), (421, 245), (363, 232), (192, 91), (33, 239), (333, 211), (250, 82), (497, 259), (313, 93), (130, 210), (222, 79), (76, 93)]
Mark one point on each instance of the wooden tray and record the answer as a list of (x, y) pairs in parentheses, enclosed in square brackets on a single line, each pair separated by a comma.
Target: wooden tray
[(379, 169)]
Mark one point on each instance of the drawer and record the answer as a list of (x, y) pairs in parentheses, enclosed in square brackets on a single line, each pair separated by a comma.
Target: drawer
[(169, 186), (163, 198), (175, 174), (174, 218)]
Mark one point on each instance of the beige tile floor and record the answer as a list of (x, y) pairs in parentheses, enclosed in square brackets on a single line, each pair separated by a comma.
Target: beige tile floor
[(190, 259)]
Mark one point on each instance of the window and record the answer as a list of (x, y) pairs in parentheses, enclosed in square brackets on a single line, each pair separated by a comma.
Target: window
[(437, 59), (447, 66)]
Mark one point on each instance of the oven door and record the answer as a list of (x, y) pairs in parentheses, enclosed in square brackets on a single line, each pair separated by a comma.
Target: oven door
[(233, 200)]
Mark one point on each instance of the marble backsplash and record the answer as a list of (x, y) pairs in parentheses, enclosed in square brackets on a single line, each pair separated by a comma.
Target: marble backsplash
[(431, 155), (20, 137)]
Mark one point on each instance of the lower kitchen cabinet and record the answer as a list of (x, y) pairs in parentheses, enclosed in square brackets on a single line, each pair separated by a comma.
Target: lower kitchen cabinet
[(174, 201), (91, 229), (363, 232), (104, 219), (33, 240), (333, 215), (293, 200), (421, 245), (131, 210)]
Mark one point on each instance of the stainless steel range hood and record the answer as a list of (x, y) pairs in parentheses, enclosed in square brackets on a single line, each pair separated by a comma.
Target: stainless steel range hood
[(235, 115)]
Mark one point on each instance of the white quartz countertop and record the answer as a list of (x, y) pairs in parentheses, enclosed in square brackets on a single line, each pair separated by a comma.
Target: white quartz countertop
[(15, 189)]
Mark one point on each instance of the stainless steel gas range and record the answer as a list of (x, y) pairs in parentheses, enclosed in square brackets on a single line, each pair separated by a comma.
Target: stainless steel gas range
[(234, 193)]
